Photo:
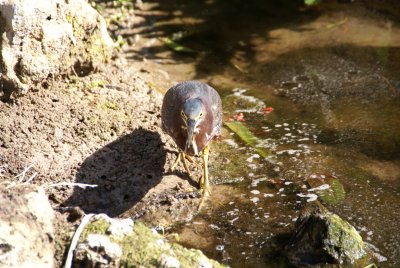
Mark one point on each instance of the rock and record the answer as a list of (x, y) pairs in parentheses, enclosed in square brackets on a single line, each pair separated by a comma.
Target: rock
[(323, 237), (142, 247), (167, 261), (44, 38), (120, 228), (26, 228), (98, 249), (75, 214)]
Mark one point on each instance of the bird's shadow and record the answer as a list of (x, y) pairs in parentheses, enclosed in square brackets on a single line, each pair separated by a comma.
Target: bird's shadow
[(123, 170)]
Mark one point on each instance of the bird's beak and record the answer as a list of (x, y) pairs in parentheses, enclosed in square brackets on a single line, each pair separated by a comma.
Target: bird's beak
[(191, 123)]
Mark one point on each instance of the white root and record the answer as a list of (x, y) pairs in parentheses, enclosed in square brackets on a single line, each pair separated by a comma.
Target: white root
[(75, 239), (80, 185)]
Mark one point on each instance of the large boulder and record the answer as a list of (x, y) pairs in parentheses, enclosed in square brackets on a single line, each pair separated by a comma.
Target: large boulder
[(44, 38), (26, 228)]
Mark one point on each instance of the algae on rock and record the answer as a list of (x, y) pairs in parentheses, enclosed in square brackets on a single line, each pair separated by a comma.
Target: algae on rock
[(142, 247), (45, 38), (323, 237)]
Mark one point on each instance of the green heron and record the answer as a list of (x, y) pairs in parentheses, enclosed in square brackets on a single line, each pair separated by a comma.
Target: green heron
[(192, 115)]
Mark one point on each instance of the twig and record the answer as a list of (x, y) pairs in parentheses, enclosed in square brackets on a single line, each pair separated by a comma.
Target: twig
[(19, 179), (75, 239), (30, 178), (21, 176), (80, 185)]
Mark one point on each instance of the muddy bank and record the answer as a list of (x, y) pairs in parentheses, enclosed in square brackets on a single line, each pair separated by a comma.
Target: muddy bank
[(101, 130)]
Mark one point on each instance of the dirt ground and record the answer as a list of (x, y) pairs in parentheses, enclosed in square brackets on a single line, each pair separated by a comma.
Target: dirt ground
[(103, 130)]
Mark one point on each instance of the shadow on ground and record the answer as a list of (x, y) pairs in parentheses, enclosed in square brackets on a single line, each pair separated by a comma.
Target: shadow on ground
[(124, 170)]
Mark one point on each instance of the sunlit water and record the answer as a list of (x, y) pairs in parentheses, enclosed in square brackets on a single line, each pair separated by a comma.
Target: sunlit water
[(332, 117), (333, 81), (260, 202)]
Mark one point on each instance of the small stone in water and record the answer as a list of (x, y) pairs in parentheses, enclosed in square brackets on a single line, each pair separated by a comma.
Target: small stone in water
[(277, 125), (255, 192), (220, 247), (255, 199), (311, 197), (214, 227)]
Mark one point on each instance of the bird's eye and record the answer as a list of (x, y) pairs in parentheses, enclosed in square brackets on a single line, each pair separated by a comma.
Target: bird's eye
[(182, 113), (201, 114)]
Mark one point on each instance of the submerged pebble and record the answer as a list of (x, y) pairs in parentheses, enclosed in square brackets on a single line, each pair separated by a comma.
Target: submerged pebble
[(254, 199), (255, 191), (220, 247), (311, 197)]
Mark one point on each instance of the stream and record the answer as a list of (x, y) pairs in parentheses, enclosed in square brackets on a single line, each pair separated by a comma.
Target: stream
[(317, 91)]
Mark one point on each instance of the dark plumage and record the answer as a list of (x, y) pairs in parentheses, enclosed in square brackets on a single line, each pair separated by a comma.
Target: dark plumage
[(192, 115), (192, 93)]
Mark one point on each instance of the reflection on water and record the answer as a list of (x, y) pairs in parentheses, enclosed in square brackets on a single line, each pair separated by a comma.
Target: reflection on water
[(261, 208), (339, 122), (332, 77)]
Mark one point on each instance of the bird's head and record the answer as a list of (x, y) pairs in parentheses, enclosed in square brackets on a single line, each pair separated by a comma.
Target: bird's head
[(192, 114)]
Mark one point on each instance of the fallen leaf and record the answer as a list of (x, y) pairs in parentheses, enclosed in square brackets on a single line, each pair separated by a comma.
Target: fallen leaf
[(267, 110)]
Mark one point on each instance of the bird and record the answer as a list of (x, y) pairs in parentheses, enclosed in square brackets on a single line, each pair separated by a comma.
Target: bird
[(191, 114)]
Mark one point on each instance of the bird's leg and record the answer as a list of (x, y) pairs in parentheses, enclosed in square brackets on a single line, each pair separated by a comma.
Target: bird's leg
[(178, 159), (189, 158), (182, 157), (204, 182)]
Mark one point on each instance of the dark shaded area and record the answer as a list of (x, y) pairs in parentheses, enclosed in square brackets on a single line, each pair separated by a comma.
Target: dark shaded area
[(218, 30), (119, 171), (373, 143)]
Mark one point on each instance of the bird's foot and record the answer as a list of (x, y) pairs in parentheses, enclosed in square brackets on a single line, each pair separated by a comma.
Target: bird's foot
[(185, 163), (178, 159), (182, 157), (204, 187), (205, 193), (189, 158)]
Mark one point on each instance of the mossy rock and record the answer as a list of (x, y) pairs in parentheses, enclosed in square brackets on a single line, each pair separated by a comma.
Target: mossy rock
[(323, 237), (142, 247)]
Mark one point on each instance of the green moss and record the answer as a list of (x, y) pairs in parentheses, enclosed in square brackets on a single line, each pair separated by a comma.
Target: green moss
[(333, 195), (96, 227), (143, 248), (97, 83), (109, 105), (140, 248), (95, 47), (343, 236)]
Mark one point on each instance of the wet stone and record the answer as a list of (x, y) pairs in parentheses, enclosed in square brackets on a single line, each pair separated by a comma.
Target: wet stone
[(323, 237)]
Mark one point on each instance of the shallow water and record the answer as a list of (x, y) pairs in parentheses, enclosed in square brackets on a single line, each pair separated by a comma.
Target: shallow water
[(332, 76)]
